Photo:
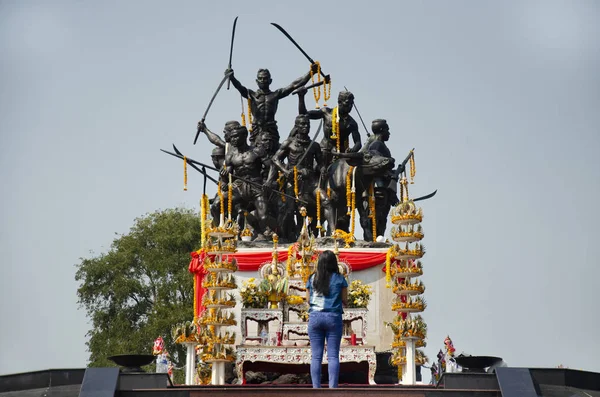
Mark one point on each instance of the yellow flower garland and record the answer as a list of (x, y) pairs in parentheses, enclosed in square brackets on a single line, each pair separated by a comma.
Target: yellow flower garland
[(326, 92), (249, 116), (388, 260), (372, 210), (203, 218), (281, 183), (221, 198), (413, 168), (289, 260), (319, 210), (230, 196), (316, 90), (353, 213), (349, 189), (184, 173), (335, 128), (296, 182), (195, 301)]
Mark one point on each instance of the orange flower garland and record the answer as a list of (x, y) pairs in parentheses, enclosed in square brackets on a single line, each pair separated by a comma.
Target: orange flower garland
[(316, 90), (230, 195), (184, 173), (249, 116), (296, 182), (372, 210), (335, 128), (413, 168)]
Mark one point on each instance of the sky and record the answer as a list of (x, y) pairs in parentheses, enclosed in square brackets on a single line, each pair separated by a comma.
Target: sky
[(499, 99)]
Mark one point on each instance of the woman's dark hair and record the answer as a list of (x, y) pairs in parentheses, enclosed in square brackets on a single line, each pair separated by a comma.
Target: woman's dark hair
[(326, 266)]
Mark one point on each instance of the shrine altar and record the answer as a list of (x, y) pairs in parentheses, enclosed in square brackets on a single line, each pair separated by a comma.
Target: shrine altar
[(294, 355)]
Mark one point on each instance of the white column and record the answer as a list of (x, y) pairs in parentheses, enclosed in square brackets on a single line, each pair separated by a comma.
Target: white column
[(218, 373), (410, 371), (190, 363)]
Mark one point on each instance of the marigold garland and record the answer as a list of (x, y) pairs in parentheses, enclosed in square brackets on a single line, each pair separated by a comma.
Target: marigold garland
[(349, 189), (353, 206), (388, 260), (316, 90), (413, 168), (230, 196), (204, 204), (372, 210), (221, 198), (335, 127), (195, 301), (319, 210), (289, 260), (281, 184), (296, 182), (184, 173), (249, 115), (326, 91)]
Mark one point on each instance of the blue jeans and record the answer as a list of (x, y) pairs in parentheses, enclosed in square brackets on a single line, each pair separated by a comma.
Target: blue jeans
[(325, 326)]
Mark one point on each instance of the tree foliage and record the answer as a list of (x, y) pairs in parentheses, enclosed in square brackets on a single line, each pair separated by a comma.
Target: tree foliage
[(141, 287)]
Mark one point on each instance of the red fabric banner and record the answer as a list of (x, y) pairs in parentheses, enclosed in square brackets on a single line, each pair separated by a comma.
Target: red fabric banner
[(251, 261), (197, 268)]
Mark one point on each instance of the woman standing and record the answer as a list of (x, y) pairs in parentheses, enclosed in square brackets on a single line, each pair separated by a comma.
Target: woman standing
[(326, 292)]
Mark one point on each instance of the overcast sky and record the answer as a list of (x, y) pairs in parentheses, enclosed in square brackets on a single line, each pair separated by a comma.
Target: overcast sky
[(500, 99)]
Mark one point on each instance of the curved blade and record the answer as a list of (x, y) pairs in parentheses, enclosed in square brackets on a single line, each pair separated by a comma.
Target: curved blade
[(231, 47), (430, 195), (226, 77), (286, 34)]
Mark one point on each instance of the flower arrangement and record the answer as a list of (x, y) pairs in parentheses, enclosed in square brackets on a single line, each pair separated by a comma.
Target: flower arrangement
[(399, 359), (218, 317), (408, 288), (211, 299), (409, 327), (411, 305), (252, 296), (303, 315), (294, 300), (217, 280), (223, 264), (359, 294), (185, 332)]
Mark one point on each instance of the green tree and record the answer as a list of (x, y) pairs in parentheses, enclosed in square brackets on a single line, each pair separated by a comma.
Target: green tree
[(141, 287)]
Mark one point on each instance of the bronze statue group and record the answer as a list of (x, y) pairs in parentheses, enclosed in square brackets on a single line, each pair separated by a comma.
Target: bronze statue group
[(272, 180)]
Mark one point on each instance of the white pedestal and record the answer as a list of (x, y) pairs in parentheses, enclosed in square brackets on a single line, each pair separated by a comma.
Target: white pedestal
[(218, 373), (190, 363), (409, 372)]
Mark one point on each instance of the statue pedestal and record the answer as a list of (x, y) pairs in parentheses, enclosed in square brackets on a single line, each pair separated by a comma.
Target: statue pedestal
[(190, 362), (409, 371), (218, 373)]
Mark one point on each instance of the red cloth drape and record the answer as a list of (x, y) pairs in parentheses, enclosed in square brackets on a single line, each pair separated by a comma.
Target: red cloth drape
[(251, 261), (197, 268)]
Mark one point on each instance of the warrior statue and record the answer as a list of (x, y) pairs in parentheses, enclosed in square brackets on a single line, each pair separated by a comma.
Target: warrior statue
[(384, 197), (246, 162), (306, 157), (218, 159), (338, 126), (264, 102)]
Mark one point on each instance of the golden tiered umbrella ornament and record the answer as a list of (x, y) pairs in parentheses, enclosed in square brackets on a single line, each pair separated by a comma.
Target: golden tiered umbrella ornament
[(403, 267)]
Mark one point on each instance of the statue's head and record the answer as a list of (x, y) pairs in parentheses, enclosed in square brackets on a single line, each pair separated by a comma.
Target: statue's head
[(381, 127), (238, 136), (302, 124), (345, 101), (263, 79), (230, 126), (266, 141), (218, 156)]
